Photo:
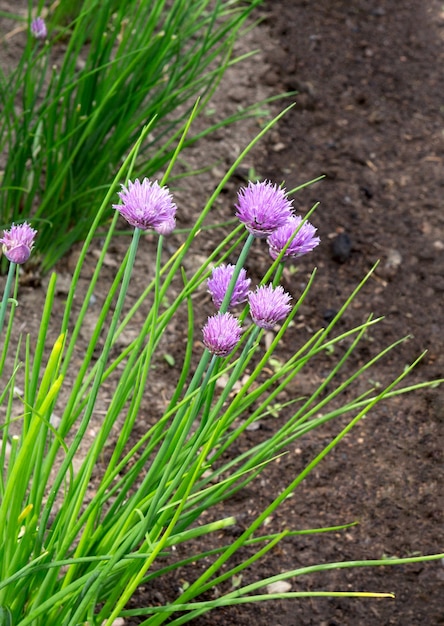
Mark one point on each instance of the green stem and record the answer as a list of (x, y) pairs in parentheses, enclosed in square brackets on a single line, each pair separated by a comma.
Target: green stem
[(4, 302), (11, 317), (86, 471), (239, 265)]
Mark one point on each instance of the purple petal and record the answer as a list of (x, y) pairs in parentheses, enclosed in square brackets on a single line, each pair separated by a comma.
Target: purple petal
[(221, 333), (147, 205), (304, 240), (18, 242), (219, 282), (269, 305), (263, 207)]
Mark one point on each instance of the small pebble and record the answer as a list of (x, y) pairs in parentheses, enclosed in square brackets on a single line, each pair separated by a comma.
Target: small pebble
[(329, 315), (281, 586), (341, 248), (391, 265)]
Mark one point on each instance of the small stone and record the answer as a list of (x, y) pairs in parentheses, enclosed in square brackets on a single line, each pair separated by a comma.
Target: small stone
[(279, 146), (341, 248), (394, 259), (329, 315), (391, 265), (110, 261), (63, 284), (55, 420), (281, 586)]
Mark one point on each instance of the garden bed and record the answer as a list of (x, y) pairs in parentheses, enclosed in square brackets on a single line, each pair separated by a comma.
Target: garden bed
[(368, 116)]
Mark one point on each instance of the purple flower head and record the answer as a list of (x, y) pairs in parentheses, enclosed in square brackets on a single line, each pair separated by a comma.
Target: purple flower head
[(219, 281), (304, 241), (263, 207), (167, 227), (38, 28), (147, 205), (18, 242), (269, 305), (221, 333)]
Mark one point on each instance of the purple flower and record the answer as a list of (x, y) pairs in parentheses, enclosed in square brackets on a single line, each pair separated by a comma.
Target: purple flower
[(219, 281), (304, 241), (147, 205), (221, 333), (38, 28), (263, 207), (18, 242), (167, 227), (269, 305)]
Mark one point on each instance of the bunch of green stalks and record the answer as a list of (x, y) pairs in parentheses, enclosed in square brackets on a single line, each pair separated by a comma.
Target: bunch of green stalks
[(78, 98), (70, 555)]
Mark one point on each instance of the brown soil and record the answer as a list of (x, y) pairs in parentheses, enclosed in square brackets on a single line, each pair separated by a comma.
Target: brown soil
[(368, 115)]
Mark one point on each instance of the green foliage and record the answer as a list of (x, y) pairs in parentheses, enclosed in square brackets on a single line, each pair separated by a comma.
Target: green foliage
[(76, 103), (69, 556)]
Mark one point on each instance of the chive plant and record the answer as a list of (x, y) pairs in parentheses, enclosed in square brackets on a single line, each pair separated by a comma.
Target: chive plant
[(69, 555), (91, 75)]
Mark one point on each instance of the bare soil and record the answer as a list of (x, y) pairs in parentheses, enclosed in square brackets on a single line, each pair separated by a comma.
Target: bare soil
[(369, 116)]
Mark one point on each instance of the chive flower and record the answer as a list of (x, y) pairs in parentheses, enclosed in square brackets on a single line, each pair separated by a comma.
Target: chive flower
[(269, 305), (167, 227), (38, 28), (18, 242), (221, 333), (219, 281), (303, 242), (263, 207), (147, 205)]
